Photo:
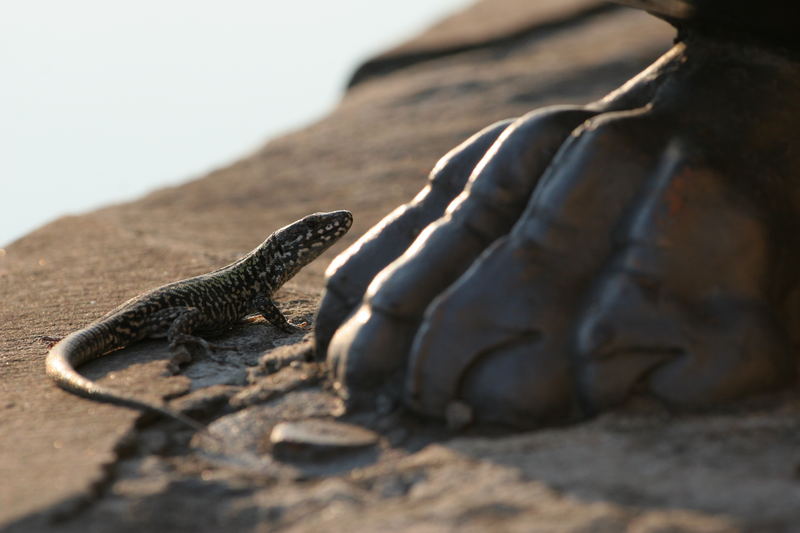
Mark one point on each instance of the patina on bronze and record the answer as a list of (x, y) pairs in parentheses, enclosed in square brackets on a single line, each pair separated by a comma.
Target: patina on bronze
[(556, 263)]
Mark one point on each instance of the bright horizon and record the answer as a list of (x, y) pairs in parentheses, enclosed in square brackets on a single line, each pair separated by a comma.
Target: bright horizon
[(103, 102)]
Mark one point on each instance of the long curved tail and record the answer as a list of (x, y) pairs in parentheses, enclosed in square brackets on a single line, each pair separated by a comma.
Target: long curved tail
[(85, 345)]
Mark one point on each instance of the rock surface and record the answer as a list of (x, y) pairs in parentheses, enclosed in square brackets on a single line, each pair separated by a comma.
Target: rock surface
[(72, 465)]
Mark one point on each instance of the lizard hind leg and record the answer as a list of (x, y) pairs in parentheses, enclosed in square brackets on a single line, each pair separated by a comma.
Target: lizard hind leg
[(180, 323)]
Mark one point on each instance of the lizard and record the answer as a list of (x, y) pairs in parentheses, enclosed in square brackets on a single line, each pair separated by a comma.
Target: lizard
[(205, 303)]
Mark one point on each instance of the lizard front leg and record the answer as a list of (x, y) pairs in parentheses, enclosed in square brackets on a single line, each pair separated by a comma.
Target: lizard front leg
[(267, 308)]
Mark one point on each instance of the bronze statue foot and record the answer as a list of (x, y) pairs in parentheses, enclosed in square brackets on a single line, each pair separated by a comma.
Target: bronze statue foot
[(557, 262)]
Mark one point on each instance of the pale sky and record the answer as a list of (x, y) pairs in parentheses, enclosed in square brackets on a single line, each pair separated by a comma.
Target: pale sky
[(103, 101)]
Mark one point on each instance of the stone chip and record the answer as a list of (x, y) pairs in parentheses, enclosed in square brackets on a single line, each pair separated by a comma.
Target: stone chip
[(318, 436)]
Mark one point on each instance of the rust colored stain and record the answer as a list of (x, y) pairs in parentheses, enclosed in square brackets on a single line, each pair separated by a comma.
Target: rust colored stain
[(677, 193)]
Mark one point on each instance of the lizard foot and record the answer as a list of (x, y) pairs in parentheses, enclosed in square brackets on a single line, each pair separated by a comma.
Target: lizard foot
[(48, 340), (291, 327), (182, 355), (644, 242)]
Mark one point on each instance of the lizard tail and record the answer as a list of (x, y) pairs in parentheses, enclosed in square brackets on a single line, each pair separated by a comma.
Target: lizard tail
[(84, 345)]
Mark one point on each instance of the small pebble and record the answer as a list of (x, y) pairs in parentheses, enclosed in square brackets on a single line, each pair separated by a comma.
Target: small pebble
[(319, 435)]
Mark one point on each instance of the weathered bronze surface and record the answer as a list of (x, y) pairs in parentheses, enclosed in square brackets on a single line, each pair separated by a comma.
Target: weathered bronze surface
[(558, 262)]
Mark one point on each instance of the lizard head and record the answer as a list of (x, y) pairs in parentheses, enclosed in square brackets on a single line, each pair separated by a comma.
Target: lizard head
[(301, 242)]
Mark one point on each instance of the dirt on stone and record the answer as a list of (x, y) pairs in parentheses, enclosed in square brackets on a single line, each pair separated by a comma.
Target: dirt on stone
[(72, 465)]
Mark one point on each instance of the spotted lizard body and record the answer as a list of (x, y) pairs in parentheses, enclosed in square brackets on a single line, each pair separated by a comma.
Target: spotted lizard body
[(207, 302)]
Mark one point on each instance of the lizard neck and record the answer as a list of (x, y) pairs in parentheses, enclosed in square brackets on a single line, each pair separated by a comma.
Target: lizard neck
[(268, 266)]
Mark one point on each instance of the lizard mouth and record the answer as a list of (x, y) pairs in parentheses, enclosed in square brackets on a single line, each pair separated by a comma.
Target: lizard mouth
[(326, 228)]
